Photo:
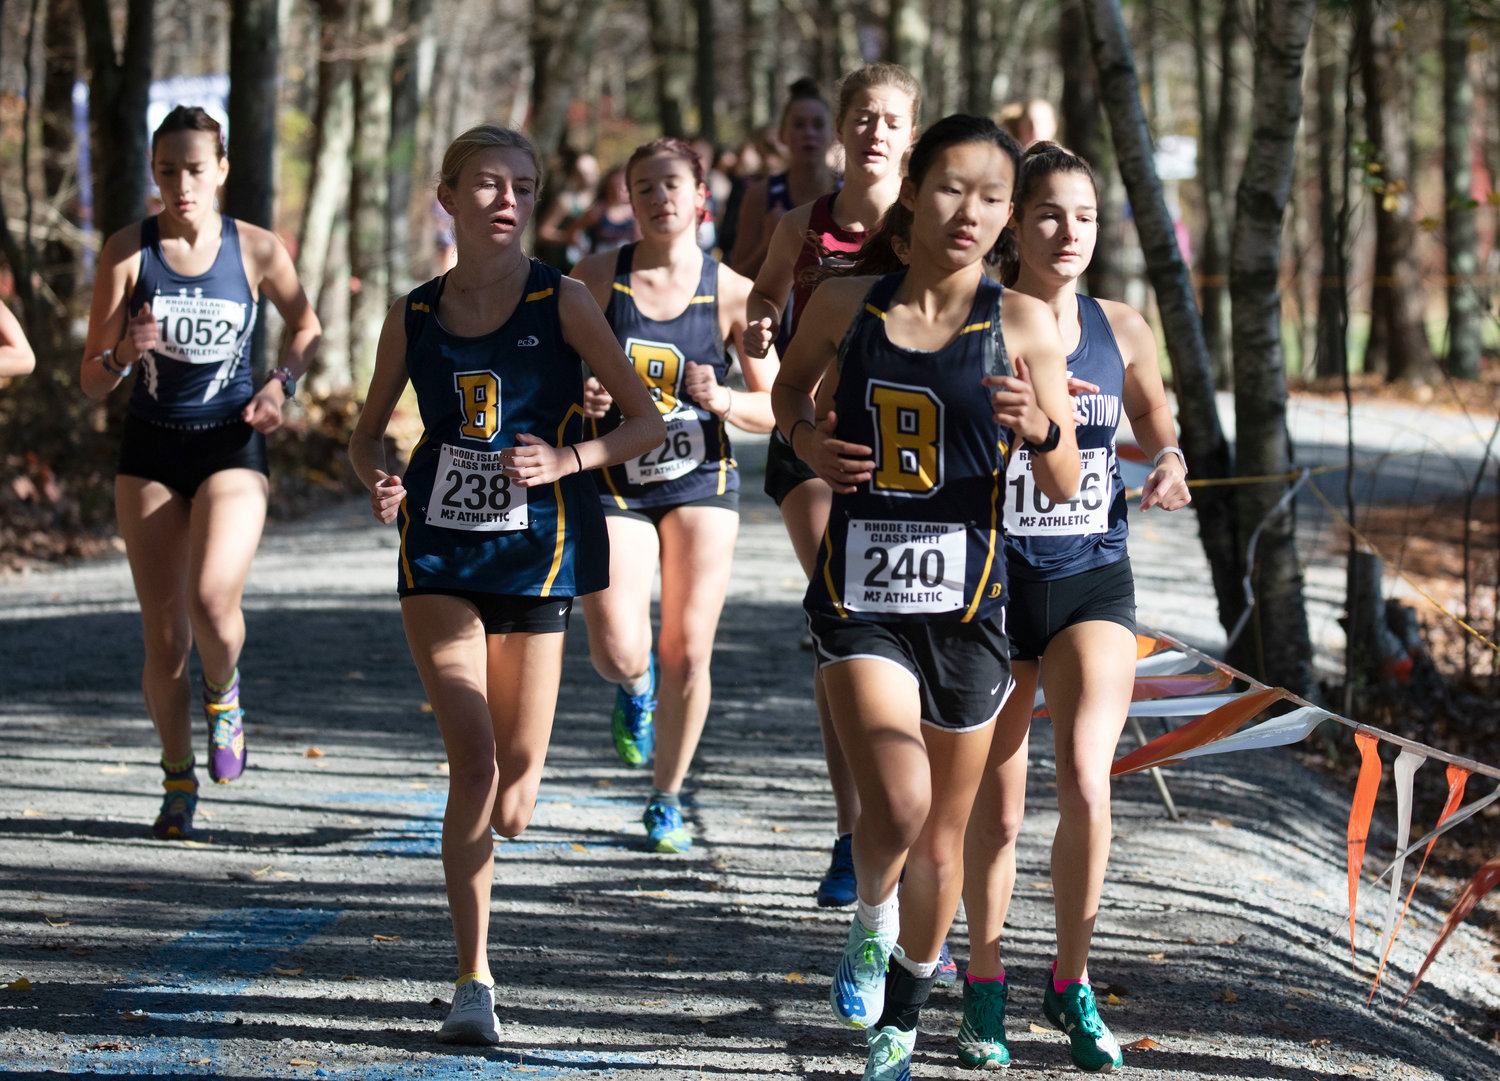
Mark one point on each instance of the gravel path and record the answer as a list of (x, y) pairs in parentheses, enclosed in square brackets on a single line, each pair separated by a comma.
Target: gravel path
[(306, 935)]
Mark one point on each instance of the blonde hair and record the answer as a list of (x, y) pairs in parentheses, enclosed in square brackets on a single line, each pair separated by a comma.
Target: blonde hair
[(484, 137), (880, 73)]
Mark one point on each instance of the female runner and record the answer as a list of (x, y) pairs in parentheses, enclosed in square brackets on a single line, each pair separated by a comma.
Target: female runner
[(673, 309), (1072, 599), (499, 529), (878, 109), (906, 606), (806, 133), (609, 223), (177, 294), (16, 357)]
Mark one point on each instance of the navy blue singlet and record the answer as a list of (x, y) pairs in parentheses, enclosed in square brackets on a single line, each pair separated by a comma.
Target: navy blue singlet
[(920, 541), (1045, 541), (695, 461), (464, 526), (778, 193), (198, 376)]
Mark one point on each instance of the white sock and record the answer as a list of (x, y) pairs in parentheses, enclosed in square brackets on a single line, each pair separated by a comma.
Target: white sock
[(640, 685), (884, 918), (922, 970)]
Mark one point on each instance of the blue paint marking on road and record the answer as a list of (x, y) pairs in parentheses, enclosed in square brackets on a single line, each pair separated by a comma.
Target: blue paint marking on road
[(423, 836)]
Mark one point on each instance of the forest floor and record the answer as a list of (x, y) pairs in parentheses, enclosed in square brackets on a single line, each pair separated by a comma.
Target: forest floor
[(305, 933)]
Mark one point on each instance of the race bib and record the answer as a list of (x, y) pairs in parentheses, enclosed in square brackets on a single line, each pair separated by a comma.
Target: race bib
[(1029, 513), (197, 329), (679, 454), (907, 568), (471, 493)]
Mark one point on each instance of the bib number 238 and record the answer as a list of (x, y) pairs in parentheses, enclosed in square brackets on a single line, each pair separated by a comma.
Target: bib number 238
[(910, 568), (471, 493)]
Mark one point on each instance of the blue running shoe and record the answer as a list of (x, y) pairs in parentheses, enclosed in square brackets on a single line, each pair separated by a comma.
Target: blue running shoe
[(889, 1056), (175, 822), (665, 830), (858, 991), (1090, 1043), (837, 888), (631, 725), (947, 970)]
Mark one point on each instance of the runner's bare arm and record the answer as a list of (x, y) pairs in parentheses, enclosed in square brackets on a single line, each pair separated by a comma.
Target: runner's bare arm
[(278, 281), (1036, 397), (749, 409), (1145, 402), (119, 263), (367, 444), (774, 282), (598, 273)]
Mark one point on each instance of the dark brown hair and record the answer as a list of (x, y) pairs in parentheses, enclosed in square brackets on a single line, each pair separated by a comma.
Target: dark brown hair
[(804, 89), (190, 118), (1040, 161)]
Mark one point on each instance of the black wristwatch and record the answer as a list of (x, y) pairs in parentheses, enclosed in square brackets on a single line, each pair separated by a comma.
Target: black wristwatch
[(1054, 433), (287, 380)]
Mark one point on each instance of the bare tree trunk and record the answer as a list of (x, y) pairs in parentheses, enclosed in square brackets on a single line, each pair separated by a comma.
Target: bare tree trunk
[(672, 76), (1212, 246), (1277, 648), (119, 89), (707, 83), (254, 51), (1465, 311), (406, 109), (369, 235), (1398, 337), (322, 264), (563, 38), (1202, 438), (757, 17), (60, 42), (1083, 132), (1333, 212), (906, 35)]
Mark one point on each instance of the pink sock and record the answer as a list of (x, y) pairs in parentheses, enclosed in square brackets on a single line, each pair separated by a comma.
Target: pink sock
[(986, 979), (1060, 986)]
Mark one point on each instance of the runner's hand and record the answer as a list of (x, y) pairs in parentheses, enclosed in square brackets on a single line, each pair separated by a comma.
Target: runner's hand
[(758, 337), (142, 332), (263, 412), (596, 400), (1076, 389), (843, 465), (386, 497), (1166, 487), (702, 384), (535, 462), (1014, 402)]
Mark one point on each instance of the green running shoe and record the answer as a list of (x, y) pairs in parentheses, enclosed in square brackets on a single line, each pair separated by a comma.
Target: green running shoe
[(890, 1054), (981, 1036), (632, 723), (1092, 1045)]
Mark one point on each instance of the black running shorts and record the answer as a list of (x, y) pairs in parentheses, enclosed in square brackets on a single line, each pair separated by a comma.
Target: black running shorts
[(962, 670), (1040, 610), (182, 458), (506, 613), (654, 515)]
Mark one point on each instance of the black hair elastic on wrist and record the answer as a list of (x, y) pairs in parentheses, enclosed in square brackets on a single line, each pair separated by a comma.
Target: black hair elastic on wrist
[(576, 456)]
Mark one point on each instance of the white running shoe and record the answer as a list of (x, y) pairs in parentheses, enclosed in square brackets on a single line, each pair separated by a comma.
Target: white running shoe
[(472, 1019)]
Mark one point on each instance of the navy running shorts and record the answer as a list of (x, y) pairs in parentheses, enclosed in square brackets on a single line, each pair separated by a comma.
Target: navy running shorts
[(962, 670), (784, 470), (654, 515), (506, 613), (1039, 611), (182, 458)]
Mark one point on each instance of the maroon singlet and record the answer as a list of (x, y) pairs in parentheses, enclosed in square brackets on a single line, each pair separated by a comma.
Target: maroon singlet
[(825, 245)]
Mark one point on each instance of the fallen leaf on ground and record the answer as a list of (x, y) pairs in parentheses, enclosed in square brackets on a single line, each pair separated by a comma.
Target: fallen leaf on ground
[(1145, 1043), (387, 938), (1230, 996), (355, 675), (1360, 1069), (32, 812), (134, 1015), (781, 829), (420, 785), (22, 984), (301, 1062), (1114, 1000), (111, 1045), (1320, 1041), (1039, 1029), (120, 768), (352, 977), (579, 848), (1157, 956), (603, 782), (1264, 878), (312, 752), (1222, 823), (57, 921), (426, 707), (138, 887), (442, 767), (286, 971), (794, 977), (1305, 992), (655, 1002)]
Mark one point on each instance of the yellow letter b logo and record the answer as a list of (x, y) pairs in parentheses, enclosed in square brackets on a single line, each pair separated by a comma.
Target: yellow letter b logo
[(479, 396), (908, 438)]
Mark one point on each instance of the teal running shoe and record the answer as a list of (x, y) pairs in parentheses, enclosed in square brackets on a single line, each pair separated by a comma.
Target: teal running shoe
[(981, 1035), (175, 822), (889, 1056), (1091, 1044), (631, 725), (665, 830), (858, 991)]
